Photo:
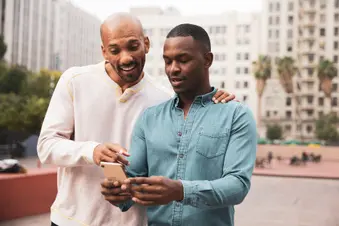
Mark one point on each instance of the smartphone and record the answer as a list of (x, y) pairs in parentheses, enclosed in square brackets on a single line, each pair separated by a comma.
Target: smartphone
[(113, 171)]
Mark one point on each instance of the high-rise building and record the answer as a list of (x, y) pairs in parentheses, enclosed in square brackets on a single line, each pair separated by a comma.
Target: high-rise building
[(46, 33), (235, 39), (78, 37), (308, 31)]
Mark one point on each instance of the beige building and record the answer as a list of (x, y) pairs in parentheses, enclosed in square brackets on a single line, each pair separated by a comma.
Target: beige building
[(235, 40), (307, 30), (51, 34)]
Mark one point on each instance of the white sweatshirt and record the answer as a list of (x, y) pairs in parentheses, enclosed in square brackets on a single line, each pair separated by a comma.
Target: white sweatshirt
[(92, 105)]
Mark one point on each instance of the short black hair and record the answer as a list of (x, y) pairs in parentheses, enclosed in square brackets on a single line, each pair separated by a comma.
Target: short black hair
[(196, 32)]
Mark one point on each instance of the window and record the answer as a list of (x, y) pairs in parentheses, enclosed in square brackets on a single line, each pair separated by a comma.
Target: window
[(270, 20), (336, 31), (322, 18), (309, 128), (246, 56), (290, 6), (334, 87), (278, 6), (237, 85), (277, 33), (277, 20), (336, 17), (288, 114), (222, 85), (271, 7), (247, 28), (244, 98), (290, 20), (238, 56), (267, 114), (290, 33), (245, 84), (289, 48), (334, 102), (321, 101), (288, 101), (322, 31), (245, 70), (320, 113), (310, 71), (270, 33), (309, 113), (336, 4), (310, 99), (288, 128), (335, 45), (335, 58), (238, 70)]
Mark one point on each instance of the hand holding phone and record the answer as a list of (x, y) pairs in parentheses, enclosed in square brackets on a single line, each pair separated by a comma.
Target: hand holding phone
[(114, 171)]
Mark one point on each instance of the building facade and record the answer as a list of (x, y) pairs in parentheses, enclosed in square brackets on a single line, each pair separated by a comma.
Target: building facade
[(307, 31), (46, 33), (235, 40)]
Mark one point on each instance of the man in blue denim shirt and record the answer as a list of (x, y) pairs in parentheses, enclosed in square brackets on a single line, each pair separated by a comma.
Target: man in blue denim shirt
[(190, 160)]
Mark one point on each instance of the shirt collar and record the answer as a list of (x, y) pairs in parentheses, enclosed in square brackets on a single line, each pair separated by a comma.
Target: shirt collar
[(203, 100)]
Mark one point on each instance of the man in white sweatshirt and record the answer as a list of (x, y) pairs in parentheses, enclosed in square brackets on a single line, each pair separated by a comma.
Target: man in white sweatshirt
[(93, 108)]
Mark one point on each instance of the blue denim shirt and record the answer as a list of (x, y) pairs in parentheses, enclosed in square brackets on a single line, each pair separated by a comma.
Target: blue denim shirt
[(212, 152)]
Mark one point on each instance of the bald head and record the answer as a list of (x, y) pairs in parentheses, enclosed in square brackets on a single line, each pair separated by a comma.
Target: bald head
[(124, 47), (118, 22)]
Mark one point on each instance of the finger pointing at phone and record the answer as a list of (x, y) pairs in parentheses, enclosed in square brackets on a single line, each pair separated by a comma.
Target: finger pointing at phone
[(109, 152)]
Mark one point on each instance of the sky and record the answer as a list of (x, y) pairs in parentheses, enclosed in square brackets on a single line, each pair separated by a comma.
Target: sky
[(103, 8)]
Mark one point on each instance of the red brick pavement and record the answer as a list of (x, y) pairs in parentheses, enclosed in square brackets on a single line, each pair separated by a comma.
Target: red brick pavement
[(325, 170)]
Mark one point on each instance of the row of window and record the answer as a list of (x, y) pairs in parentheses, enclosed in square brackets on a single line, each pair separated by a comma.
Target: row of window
[(310, 100), (241, 28), (275, 33)]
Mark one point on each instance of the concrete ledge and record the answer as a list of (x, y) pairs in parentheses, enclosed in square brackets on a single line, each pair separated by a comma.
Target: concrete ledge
[(27, 194)]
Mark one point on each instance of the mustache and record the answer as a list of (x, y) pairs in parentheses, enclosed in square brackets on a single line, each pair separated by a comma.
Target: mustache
[(128, 64)]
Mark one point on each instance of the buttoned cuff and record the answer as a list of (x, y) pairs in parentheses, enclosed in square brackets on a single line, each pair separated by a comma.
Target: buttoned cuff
[(189, 193)]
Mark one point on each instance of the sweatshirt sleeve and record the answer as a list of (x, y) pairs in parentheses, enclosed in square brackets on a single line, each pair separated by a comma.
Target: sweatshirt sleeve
[(54, 144)]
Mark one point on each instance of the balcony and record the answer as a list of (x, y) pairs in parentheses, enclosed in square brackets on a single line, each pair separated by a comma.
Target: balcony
[(305, 118), (306, 49), (276, 119), (306, 106), (306, 21), (306, 64), (307, 8)]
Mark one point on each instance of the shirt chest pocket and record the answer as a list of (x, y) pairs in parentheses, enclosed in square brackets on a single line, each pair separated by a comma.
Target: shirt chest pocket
[(211, 144)]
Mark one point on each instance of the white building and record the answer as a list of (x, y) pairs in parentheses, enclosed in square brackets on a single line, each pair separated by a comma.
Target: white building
[(78, 42), (307, 30), (235, 39), (46, 33)]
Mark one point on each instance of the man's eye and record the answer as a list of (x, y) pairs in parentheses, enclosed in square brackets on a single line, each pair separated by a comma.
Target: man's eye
[(134, 47), (114, 51)]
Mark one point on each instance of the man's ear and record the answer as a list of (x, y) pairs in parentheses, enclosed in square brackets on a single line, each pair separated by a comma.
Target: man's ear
[(147, 44), (208, 59), (103, 51)]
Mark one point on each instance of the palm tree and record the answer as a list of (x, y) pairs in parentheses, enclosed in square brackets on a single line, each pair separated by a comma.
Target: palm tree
[(326, 72), (262, 71), (287, 70)]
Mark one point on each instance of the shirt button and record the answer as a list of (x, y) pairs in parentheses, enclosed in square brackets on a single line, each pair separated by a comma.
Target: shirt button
[(179, 134)]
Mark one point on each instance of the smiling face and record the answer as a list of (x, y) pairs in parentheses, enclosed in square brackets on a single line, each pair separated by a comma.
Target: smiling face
[(186, 65), (125, 47)]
